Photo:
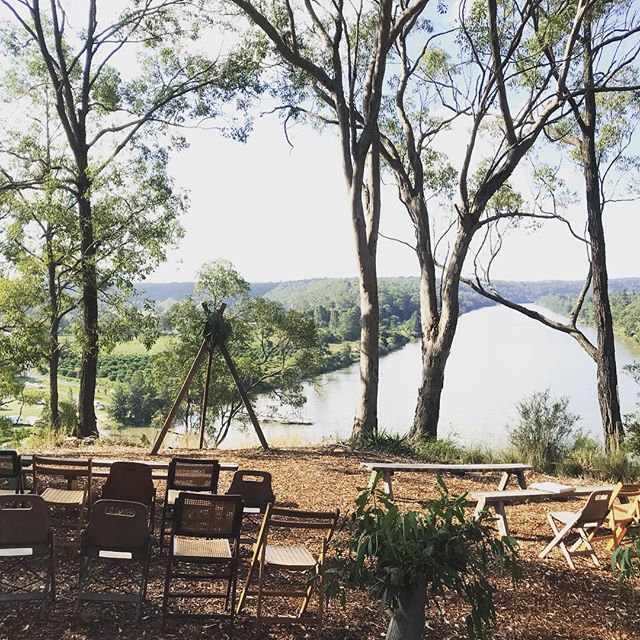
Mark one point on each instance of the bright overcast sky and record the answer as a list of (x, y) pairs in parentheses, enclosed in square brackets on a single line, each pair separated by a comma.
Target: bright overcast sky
[(280, 213)]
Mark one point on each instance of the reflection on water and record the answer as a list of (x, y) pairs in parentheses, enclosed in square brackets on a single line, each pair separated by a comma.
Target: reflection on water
[(498, 356)]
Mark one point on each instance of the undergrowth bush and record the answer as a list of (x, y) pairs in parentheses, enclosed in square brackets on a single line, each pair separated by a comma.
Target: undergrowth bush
[(545, 433)]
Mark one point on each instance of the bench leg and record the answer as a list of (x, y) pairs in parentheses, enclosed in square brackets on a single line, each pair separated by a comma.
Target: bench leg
[(501, 515), (522, 481), (504, 481), (386, 483)]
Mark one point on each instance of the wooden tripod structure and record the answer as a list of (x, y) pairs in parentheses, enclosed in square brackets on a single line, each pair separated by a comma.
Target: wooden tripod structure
[(207, 349)]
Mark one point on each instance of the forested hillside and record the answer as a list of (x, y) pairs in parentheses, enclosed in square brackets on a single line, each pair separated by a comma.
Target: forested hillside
[(625, 308)]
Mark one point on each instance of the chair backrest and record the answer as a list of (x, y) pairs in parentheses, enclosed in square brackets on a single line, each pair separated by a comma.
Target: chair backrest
[(281, 518), (117, 525), (24, 519), (71, 469), (202, 515), (193, 474), (596, 508), (10, 467), (254, 487), (131, 481)]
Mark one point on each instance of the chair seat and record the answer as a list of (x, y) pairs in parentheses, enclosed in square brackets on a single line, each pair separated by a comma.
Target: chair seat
[(563, 516), (201, 547), (292, 557), (64, 496)]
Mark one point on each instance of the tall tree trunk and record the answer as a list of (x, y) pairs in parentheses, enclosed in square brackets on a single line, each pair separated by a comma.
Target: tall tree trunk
[(54, 343), (407, 621), (605, 358), (87, 425), (366, 418)]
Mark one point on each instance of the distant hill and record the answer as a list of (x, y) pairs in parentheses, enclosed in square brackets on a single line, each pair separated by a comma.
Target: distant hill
[(297, 293)]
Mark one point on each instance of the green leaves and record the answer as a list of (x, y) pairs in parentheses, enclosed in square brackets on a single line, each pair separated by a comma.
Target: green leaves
[(392, 552)]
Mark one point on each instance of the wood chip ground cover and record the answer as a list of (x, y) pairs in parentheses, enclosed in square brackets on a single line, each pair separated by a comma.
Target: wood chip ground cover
[(549, 602)]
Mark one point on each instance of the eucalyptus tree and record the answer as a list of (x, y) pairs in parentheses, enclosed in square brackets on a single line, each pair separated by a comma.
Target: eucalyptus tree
[(330, 61), (599, 133), (119, 80), (481, 73)]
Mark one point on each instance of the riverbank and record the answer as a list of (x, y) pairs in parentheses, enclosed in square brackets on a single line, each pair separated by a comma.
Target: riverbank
[(549, 602)]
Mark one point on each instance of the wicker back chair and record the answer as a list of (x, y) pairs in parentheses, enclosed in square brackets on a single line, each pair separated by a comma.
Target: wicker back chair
[(26, 540), (186, 474), (206, 531), (10, 473), (118, 533), (71, 498), (290, 558), (133, 482)]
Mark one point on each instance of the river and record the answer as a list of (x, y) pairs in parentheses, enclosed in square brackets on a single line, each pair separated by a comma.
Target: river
[(498, 356)]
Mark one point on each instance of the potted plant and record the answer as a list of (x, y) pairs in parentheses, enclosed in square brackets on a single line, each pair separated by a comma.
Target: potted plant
[(407, 558)]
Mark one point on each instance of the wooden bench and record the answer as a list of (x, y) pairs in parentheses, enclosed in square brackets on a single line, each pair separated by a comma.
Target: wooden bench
[(387, 469), (497, 500)]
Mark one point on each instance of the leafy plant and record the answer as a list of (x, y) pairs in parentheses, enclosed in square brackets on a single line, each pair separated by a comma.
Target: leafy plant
[(407, 558)]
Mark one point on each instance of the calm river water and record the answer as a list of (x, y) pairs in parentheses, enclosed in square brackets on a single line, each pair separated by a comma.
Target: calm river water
[(498, 356)]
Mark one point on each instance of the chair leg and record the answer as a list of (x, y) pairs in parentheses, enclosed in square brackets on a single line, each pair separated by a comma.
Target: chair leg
[(52, 569), (261, 573), (557, 540), (84, 569), (247, 581), (165, 597)]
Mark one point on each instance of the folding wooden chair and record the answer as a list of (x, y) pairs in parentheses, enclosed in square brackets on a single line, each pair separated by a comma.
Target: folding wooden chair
[(624, 510), (26, 541), (117, 535), (206, 534), (133, 482), (297, 559), (70, 499), (11, 481), (580, 526), (186, 474)]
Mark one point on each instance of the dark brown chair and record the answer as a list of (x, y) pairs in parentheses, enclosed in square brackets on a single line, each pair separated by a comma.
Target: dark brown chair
[(11, 481), (186, 474), (280, 556), (71, 498), (255, 489), (206, 531), (117, 533), (26, 541), (133, 482)]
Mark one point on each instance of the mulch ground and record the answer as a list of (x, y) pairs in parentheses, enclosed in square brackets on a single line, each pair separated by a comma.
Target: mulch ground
[(549, 602)]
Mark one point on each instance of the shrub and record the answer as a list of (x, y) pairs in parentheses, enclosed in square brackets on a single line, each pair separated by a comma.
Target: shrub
[(545, 433)]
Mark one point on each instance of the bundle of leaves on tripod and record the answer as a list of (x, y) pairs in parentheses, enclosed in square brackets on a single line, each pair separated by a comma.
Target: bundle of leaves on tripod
[(408, 558)]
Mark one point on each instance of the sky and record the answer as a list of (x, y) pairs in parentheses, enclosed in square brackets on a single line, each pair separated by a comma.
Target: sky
[(281, 213)]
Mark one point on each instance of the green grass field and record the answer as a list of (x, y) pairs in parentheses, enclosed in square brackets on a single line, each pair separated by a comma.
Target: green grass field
[(136, 348)]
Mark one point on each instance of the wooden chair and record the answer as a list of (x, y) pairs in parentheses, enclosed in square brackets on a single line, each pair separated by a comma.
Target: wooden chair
[(70, 498), (133, 482), (581, 525), (624, 510), (206, 531), (118, 534), (186, 474), (26, 540), (11, 481), (290, 558)]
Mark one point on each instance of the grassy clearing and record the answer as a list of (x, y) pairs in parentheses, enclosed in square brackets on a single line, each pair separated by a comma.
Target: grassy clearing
[(136, 348)]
